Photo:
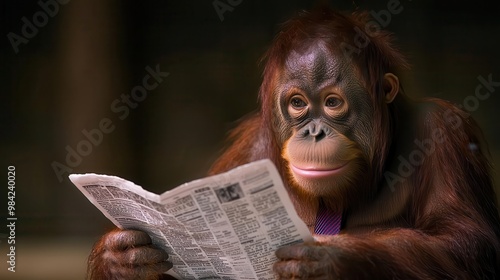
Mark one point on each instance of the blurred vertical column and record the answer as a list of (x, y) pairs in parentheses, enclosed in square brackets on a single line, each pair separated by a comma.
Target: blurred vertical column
[(90, 78)]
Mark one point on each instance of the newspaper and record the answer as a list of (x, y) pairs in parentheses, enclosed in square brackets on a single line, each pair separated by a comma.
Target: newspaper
[(226, 226)]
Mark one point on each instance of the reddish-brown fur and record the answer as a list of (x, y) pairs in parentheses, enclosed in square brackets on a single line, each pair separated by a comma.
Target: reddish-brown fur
[(440, 222), (448, 227)]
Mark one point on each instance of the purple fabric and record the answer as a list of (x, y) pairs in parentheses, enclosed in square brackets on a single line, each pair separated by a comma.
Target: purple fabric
[(328, 222)]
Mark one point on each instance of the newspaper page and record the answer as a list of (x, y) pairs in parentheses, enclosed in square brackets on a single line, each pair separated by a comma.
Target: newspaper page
[(226, 226)]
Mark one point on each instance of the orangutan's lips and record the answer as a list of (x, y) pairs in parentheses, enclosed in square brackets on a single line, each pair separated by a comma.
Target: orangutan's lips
[(316, 173)]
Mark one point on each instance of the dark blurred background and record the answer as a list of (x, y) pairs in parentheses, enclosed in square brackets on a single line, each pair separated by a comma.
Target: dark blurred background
[(81, 56)]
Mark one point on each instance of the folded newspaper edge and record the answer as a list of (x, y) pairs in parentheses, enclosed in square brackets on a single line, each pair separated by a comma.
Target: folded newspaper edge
[(225, 226)]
